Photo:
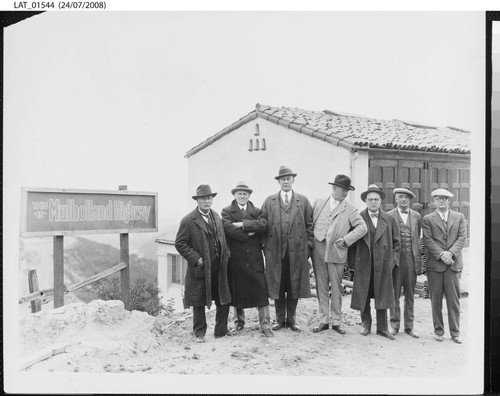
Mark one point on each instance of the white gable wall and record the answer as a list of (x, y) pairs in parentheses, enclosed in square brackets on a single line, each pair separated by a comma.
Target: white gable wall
[(228, 160)]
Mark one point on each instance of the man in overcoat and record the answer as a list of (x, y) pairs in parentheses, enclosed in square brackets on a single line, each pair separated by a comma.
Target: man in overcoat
[(337, 225), (288, 245), (404, 276), (244, 225), (201, 241), (444, 235), (375, 256)]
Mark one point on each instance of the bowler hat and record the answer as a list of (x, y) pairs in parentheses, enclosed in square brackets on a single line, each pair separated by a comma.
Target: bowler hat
[(401, 190), (343, 181), (373, 188), (203, 190), (441, 192), (285, 171), (241, 186)]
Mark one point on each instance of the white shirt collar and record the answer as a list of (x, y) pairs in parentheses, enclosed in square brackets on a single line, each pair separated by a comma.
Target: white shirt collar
[(243, 207), (444, 215), (289, 193)]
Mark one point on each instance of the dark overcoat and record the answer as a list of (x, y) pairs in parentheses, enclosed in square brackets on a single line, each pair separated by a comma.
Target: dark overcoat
[(300, 243), (386, 247), (192, 243), (247, 279)]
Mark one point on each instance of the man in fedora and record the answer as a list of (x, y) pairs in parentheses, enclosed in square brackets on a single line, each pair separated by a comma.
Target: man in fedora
[(404, 276), (444, 234), (288, 244), (337, 225), (375, 256), (202, 242), (244, 225)]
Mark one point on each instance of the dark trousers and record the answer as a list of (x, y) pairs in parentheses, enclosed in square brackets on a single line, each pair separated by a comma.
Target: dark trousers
[(200, 320), (366, 318), (404, 277), (286, 305), (449, 283)]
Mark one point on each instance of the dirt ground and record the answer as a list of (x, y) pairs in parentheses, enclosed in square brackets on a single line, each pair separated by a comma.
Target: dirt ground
[(103, 337)]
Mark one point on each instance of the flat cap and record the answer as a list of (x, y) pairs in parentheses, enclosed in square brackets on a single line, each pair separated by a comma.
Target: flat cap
[(403, 191), (441, 192)]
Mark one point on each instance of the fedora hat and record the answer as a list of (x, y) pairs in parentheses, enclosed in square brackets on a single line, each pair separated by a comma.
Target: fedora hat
[(441, 192), (203, 190), (241, 186), (285, 171), (342, 181), (373, 188), (403, 191)]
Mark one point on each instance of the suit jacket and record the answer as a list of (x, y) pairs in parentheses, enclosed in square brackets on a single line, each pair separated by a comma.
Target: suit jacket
[(386, 247), (437, 239), (300, 243), (345, 223), (416, 226), (192, 242)]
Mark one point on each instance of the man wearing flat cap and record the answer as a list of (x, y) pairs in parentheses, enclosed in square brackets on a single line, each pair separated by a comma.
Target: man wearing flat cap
[(444, 234), (244, 225), (288, 243), (375, 256), (404, 276), (202, 242), (337, 225)]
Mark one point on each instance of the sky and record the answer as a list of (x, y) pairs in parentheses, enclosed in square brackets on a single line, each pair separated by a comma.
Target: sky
[(93, 101)]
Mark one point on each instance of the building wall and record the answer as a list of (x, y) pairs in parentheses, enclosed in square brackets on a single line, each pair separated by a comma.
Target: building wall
[(167, 288), (228, 160)]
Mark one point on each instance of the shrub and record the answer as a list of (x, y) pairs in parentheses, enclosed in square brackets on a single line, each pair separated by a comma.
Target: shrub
[(144, 295)]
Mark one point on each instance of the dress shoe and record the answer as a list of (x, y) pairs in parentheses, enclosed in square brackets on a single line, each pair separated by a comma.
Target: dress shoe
[(237, 329), (200, 340), (394, 331), (364, 331), (278, 326), (456, 339), (386, 334), (267, 333), (338, 329), (321, 327), (294, 327), (438, 338), (411, 333)]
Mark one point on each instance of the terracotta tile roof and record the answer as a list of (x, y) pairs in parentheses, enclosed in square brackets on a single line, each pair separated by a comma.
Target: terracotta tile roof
[(354, 131)]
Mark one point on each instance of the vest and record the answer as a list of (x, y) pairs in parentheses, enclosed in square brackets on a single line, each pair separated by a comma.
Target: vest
[(405, 233), (323, 221), (285, 225)]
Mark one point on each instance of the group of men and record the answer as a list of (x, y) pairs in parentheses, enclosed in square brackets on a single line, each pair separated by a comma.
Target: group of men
[(226, 263)]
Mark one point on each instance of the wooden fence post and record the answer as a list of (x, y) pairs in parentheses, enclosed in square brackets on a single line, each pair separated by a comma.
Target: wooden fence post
[(58, 271), (125, 273), (36, 305)]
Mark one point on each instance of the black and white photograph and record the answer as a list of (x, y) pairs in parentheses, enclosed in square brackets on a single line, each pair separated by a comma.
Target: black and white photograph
[(212, 201)]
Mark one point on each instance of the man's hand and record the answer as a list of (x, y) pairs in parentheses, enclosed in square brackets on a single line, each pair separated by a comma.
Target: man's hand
[(199, 263), (251, 233), (447, 257), (239, 224), (341, 242)]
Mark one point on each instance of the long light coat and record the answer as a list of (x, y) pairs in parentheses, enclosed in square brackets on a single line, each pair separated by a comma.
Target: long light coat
[(437, 240), (300, 243), (192, 243), (386, 247), (346, 223), (247, 279), (416, 242)]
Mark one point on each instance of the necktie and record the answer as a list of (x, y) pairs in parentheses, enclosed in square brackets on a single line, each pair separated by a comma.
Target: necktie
[(374, 215), (286, 199), (404, 211), (444, 222), (243, 211)]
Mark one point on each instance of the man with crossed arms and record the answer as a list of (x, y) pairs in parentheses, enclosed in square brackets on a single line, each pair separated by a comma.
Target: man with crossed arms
[(337, 225)]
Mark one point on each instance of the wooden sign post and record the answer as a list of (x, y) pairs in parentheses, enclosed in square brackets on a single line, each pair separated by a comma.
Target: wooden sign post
[(61, 212)]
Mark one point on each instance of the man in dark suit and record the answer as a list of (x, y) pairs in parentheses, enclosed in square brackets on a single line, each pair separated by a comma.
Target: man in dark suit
[(444, 234), (202, 242), (375, 256), (288, 245), (244, 225), (404, 276)]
